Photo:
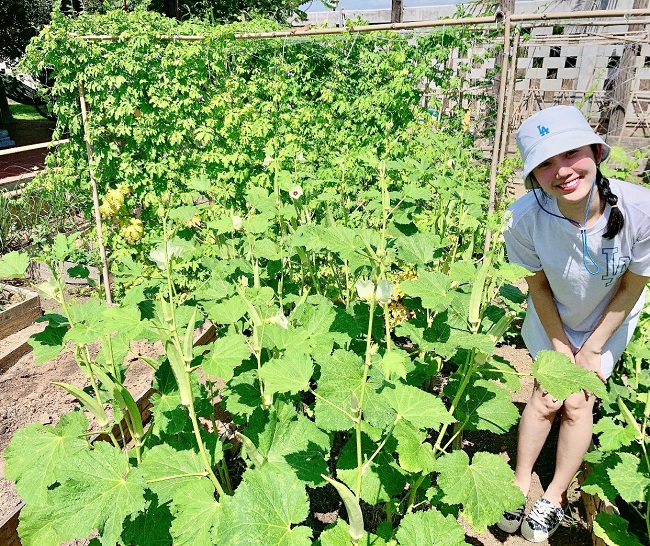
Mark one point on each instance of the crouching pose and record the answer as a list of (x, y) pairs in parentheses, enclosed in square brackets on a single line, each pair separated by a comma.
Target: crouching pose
[(587, 241)]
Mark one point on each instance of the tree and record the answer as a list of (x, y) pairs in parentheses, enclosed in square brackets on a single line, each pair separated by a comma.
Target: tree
[(227, 11)]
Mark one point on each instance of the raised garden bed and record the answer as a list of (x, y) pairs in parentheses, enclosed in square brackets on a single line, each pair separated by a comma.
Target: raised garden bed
[(19, 308)]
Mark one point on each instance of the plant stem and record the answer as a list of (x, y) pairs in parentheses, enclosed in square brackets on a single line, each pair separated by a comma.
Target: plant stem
[(362, 396)]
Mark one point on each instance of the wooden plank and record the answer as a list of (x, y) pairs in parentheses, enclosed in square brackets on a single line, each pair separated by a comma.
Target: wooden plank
[(9, 359), (8, 533), (20, 315)]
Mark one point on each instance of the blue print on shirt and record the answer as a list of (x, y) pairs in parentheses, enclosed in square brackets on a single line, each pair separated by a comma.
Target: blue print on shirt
[(614, 266)]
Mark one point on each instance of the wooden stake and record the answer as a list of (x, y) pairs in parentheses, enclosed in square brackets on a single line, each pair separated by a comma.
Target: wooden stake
[(510, 96), (93, 183), (499, 127)]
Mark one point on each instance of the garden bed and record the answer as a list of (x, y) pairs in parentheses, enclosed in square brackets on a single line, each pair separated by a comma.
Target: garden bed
[(19, 308)]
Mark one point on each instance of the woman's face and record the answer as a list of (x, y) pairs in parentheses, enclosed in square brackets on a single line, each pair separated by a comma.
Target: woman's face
[(568, 176)]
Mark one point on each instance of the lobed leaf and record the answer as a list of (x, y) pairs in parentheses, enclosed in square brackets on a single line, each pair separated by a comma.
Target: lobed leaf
[(485, 488), (431, 528), (265, 509), (561, 378), (35, 453)]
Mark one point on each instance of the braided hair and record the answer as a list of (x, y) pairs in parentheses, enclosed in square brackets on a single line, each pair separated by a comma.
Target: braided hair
[(616, 219)]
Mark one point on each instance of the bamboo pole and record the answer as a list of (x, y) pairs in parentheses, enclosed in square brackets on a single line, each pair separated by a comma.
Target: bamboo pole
[(510, 95), (606, 14), (29, 147), (98, 218), (499, 127), (588, 14)]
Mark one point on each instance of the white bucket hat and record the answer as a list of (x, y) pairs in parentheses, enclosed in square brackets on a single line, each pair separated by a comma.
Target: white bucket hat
[(552, 131)]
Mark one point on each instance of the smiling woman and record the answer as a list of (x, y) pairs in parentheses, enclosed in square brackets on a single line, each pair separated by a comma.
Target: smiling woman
[(587, 242)]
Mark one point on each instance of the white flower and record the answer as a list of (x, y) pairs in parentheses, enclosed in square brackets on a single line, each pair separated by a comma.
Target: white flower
[(280, 320), (295, 192), (237, 223), (267, 161), (365, 289), (300, 157), (385, 291)]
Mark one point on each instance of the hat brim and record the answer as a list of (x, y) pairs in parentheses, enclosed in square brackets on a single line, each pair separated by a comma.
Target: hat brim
[(569, 140)]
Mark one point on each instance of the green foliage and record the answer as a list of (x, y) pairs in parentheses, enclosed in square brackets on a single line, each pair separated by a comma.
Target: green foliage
[(620, 466), (289, 193)]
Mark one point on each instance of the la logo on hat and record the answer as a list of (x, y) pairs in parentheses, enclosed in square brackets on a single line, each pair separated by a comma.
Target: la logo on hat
[(543, 130)]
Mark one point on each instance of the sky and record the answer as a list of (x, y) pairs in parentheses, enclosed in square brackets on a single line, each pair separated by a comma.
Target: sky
[(315, 5)]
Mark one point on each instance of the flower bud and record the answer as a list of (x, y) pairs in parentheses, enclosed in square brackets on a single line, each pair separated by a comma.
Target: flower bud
[(365, 289), (385, 291), (237, 223)]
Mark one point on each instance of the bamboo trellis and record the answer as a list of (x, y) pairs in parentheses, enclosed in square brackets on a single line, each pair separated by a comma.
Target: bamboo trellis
[(508, 69)]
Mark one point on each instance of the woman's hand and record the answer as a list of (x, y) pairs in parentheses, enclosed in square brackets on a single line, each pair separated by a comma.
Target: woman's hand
[(589, 359)]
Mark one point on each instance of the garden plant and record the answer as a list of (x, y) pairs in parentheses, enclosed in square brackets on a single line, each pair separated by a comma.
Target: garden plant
[(299, 197)]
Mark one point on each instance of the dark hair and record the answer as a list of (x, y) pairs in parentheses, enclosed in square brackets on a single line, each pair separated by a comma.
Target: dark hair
[(616, 219)]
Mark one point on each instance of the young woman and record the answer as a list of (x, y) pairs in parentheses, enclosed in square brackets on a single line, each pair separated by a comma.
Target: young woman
[(587, 241)]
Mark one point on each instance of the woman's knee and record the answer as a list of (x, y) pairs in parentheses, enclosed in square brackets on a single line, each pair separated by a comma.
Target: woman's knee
[(578, 406), (543, 403)]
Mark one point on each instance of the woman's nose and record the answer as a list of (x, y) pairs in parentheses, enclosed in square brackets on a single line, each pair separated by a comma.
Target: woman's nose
[(563, 171)]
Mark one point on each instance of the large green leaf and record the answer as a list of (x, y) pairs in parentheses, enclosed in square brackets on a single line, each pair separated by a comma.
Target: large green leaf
[(597, 481), (167, 470), (291, 441), (431, 528), (340, 379), (49, 343), (290, 373), (226, 353), (36, 451), (613, 529), (432, 287), (420, 408), (417, 249), (98, 491), (415, 454), (561, 378), (631, 478), (37, 527), (613, 436), (484, 405), (265, 510), (196, 513), (13, 265), (485, 488)]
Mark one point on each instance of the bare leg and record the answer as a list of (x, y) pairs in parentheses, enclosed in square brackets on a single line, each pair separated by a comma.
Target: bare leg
[(573, 442), (534, 427)]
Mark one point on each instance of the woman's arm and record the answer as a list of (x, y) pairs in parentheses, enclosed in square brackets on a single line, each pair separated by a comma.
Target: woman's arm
[(542, 296), (615, 313)]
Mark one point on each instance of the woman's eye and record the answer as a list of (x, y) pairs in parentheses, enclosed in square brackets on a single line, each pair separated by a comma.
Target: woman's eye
[(543, 165), (571, 153)]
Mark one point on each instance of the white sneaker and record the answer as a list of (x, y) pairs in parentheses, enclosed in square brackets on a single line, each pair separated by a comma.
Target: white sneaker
[(511, 520), (542, 522)]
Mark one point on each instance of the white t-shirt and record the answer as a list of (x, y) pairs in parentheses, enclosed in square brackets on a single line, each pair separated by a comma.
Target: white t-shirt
[(537, 240)]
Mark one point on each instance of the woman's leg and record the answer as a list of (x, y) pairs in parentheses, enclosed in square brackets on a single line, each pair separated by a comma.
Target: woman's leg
[(534, 427), (573, 442)]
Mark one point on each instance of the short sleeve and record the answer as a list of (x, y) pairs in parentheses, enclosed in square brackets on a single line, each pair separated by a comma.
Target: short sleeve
[(519, 243), (640, 263)]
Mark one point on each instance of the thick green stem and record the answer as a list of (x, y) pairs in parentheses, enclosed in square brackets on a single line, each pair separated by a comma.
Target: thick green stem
[(362, 397), (204, 456)]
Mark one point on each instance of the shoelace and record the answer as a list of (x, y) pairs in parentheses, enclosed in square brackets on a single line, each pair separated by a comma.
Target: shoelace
[(547, 517), (583, 231)]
